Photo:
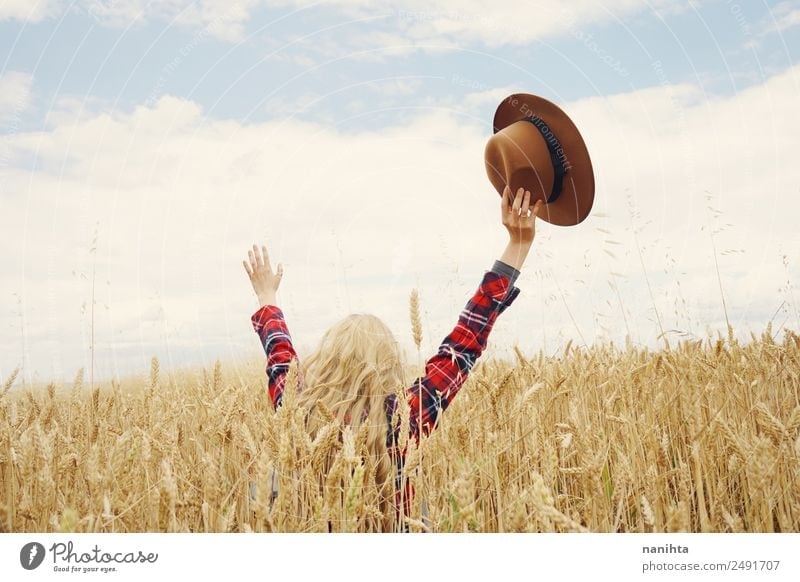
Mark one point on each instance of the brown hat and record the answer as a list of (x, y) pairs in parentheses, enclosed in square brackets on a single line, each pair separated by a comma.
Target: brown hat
[(535, 146)]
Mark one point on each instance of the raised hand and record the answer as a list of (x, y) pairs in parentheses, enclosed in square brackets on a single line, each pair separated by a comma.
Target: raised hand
[(516, 217), (265, 282), (519, 220)]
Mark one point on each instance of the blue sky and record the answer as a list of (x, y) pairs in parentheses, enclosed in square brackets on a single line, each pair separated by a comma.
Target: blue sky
[(185, 131), (722, 45)]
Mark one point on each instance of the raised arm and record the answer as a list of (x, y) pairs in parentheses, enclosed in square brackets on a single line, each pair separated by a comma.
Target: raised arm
[(269, 322), (448, 369), (270, 326)]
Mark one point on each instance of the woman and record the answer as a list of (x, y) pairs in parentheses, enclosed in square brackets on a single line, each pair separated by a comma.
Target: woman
[(354, 371)]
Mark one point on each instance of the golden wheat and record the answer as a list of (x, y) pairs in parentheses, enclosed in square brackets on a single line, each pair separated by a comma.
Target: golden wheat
[(416, 321), (704, 436)]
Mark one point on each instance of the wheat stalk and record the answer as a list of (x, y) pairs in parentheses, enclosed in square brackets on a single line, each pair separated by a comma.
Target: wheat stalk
[(416, 322)]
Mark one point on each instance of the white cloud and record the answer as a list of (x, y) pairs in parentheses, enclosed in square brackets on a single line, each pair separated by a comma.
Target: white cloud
[(783, 16), (221, 19), (491, 23), (777, 19), (397, 27), (359, 218), (27, 10), (15, 94), (401, 28)]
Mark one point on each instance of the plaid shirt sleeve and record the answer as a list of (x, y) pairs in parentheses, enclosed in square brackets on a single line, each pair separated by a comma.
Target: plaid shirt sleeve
[(447, 370), (270, 325)]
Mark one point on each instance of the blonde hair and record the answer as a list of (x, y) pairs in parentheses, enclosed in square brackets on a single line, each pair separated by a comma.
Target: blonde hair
[(357, 364)]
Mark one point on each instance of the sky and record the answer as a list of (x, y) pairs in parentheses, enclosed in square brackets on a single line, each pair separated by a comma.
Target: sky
[(146, 145)]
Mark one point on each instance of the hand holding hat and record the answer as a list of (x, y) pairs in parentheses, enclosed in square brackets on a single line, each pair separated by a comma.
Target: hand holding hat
[(519, 215)]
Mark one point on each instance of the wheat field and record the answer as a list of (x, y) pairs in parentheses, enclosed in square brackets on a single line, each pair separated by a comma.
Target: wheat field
[(703, 436)]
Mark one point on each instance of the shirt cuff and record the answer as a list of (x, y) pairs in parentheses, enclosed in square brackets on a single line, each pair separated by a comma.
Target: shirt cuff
[(264, 313), (502, 268), (497, 288)]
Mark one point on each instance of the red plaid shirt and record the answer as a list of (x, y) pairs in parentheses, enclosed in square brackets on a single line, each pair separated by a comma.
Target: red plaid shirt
[(429, 395)]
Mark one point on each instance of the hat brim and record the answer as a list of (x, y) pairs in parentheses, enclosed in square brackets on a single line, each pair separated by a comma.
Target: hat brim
[(577, 195)]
